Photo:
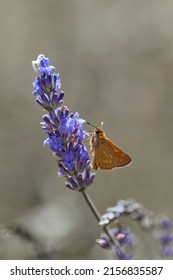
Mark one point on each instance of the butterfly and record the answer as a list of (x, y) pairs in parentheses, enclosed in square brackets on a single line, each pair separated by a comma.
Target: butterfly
[(106, 155)]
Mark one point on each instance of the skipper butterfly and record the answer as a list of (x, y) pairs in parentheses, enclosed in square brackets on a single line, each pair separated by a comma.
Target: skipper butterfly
[(106, 155)]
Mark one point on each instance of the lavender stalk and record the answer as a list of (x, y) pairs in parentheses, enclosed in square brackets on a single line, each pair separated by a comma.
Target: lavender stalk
[(65, 134)]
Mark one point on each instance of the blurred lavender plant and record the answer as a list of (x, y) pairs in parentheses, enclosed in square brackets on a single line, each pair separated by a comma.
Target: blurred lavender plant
[(126, 239), (65, 138), (160, 228), (164, 234)]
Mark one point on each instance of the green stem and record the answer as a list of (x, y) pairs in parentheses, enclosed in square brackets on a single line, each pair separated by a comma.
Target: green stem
[(98, 217)]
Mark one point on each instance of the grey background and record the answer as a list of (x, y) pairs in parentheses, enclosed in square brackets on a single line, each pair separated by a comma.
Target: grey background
[(115, 60)]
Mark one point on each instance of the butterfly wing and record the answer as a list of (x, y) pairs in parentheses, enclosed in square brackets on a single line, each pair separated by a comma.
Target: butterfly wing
[(107, 155)]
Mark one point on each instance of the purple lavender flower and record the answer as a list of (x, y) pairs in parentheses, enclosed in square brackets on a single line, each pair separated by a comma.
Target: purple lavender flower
[(63, 128), (165, 237), (104, 241), (165, 223), (47, 85), (124, 238), (167, 251), (121, 255)]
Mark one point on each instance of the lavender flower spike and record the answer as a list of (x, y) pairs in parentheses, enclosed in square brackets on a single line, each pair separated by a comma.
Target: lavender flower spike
[(64, 129)]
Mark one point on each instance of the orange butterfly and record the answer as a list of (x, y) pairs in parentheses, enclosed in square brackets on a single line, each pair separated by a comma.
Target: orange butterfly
[(106, 155)]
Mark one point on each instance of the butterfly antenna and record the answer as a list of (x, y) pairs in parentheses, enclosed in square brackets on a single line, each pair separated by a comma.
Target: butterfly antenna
[(91, 124), (101, 124)]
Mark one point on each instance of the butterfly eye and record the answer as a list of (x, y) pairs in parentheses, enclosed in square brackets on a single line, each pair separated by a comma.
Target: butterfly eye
[(97, 131)]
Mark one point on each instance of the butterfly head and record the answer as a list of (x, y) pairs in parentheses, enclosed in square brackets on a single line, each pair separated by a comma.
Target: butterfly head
[(98, 131)]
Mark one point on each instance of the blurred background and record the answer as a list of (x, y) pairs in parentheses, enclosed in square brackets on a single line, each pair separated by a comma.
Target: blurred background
[(115, 60)]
